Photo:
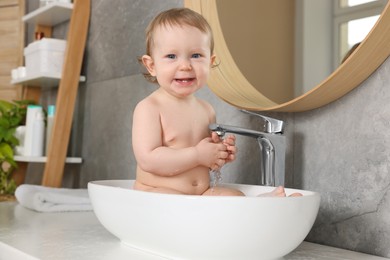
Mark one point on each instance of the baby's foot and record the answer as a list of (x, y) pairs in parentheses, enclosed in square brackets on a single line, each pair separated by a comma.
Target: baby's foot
[(296, 194), (277, 192)]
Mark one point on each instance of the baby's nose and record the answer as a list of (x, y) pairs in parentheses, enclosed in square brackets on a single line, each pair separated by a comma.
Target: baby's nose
[(185, 65)]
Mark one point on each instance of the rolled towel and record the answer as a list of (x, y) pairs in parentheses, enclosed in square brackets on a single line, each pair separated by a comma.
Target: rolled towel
[(46, 199)]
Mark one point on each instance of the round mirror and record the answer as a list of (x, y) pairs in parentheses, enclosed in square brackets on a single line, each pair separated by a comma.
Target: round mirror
[(254, 80)]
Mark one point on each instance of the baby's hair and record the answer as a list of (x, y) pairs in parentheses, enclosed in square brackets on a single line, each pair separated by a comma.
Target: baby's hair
[(175, 17), (349, 53)]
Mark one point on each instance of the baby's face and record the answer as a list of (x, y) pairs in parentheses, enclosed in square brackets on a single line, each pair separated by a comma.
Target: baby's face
[(181, 59)]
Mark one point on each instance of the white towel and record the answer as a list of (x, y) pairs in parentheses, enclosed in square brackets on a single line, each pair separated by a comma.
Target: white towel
[(46, 199)]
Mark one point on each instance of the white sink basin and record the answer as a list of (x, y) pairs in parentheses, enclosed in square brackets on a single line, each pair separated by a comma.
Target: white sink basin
[(202, 227)]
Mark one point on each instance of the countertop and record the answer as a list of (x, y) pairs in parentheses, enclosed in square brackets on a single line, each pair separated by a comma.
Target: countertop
[(26, 234)]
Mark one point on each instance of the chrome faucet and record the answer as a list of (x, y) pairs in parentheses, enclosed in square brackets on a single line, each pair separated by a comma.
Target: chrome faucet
[(272, 147), (269, 124)]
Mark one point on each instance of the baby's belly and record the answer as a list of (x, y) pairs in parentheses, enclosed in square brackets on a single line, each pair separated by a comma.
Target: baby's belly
[(194, 182)]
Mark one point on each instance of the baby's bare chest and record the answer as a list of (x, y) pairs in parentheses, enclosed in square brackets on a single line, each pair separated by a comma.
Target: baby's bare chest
[(182, 129)]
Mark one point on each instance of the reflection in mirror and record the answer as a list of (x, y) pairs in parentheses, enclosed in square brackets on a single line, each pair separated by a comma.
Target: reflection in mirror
[(353, 21), (285, 48), (353, 32)]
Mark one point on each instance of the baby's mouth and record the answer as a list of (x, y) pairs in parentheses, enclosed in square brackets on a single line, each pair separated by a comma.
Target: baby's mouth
[(185, 80)]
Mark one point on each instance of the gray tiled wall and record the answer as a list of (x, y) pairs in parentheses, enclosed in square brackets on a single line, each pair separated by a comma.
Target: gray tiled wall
[(341, 150)]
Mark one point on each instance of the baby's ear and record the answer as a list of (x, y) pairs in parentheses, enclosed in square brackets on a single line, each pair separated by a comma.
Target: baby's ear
[(213, 60), (149, 64)]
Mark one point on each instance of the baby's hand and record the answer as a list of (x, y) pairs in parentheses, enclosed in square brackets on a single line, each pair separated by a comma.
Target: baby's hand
[(230, 143), (212, 154)]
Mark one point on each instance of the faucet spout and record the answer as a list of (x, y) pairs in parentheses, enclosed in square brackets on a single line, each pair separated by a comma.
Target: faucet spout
[(272, 147), (222, 129), (269, 124)]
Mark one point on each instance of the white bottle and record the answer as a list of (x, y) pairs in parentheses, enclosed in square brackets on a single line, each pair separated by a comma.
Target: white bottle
[(38, 134), (32, 111), (50, 121)]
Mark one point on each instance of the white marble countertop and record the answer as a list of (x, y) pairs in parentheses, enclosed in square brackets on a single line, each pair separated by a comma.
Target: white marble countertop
[(26, 234)]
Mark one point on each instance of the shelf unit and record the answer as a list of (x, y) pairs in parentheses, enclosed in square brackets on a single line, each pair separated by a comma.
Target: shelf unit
[(43, 159), (46, 79), (44, 19), (50, 15)]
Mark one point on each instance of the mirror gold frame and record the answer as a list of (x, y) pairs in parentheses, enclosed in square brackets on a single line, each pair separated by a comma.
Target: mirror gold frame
[(227, 81)]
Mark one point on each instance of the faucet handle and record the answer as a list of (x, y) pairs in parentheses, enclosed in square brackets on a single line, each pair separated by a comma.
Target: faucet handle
[(270, 125)]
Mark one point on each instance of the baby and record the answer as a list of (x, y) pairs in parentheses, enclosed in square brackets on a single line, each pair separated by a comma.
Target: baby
[(171, 141)]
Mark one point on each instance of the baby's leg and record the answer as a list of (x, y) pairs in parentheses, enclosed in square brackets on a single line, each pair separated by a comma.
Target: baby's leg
[(278, 192), (164, 190), (143, 187), (222, 191)]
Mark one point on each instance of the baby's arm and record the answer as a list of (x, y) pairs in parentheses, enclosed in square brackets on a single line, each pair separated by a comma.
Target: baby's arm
[(155, 158)]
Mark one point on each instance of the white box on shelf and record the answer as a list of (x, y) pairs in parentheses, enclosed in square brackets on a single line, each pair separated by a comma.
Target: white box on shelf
[(44, 56)]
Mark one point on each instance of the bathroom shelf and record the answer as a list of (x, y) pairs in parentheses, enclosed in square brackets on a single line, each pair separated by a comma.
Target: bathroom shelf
[(43, 159), (44, 19), (50, 15), (42, 79)]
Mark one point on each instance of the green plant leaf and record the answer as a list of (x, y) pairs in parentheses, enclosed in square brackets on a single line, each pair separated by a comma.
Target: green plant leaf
[(15, 120), (4, 122), (2, 135), (11, 116), (5, 106), (6, 151), (13, 141), (9, 135)]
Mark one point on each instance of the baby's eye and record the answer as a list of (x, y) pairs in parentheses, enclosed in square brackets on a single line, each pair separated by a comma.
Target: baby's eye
[(196, 55), (171, 56)]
